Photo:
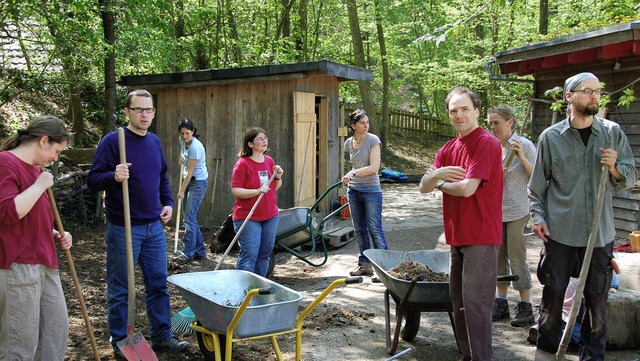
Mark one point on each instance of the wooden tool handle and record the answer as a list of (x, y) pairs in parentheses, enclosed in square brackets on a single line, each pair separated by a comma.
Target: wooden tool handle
[(510, 158), (235, 238), (74, 276), (175, 241), (127, 232)]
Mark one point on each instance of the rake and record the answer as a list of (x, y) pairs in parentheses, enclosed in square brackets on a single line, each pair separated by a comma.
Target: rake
[(180, 321)]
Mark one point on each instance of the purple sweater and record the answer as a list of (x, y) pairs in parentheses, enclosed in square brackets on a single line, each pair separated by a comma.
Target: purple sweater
[(149, 188)]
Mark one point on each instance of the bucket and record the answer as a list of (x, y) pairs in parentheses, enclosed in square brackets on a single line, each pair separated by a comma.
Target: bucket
[(634, 237)]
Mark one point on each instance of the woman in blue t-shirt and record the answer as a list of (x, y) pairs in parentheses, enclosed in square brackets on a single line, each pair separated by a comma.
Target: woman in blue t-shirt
[(193, 189)]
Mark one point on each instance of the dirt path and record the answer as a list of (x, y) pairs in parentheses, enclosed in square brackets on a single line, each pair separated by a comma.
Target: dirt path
[(348, 325)]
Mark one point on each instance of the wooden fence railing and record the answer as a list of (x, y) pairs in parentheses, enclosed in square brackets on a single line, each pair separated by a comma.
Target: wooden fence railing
[(416, 125)]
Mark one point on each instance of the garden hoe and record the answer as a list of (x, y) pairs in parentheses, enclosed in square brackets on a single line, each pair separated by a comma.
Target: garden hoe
[(134, 347), (74, 276)]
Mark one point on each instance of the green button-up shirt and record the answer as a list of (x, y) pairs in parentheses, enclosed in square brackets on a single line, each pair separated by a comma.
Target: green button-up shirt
[(563, 188)]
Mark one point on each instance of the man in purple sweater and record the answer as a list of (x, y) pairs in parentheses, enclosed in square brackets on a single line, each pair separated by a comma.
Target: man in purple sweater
[(150, 195)]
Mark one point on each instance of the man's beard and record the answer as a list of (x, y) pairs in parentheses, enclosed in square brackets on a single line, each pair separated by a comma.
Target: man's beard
[(587, 109)]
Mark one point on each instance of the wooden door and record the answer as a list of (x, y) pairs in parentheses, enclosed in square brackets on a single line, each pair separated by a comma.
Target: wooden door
[(304, 148)]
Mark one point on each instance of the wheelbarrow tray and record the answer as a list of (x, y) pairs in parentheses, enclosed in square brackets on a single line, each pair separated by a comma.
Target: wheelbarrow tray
[(214, 297), (425, 293)]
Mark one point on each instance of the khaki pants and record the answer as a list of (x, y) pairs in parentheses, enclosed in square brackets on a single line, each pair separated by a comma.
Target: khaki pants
[(34, 323)]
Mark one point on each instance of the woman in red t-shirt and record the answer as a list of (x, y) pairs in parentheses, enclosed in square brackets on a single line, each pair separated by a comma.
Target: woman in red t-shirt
[(249, 179), (32, 304)]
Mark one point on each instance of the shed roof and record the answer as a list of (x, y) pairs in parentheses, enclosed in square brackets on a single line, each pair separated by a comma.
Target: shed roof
[(600, 45), (264, 72)]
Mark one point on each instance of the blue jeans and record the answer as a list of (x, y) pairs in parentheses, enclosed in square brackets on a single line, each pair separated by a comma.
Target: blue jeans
[(256, 244), (150, 252), (366, 213), (193, 241)]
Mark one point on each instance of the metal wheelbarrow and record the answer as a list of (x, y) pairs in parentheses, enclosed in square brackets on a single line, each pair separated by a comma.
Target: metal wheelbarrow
[(414, 296), (235, 305)]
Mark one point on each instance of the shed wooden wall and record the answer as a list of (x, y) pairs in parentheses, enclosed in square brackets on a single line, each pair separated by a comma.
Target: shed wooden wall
[(625, 203), (222, 113)]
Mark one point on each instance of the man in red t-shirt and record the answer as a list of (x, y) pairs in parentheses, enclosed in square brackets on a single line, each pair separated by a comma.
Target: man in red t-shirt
[(468, 172)]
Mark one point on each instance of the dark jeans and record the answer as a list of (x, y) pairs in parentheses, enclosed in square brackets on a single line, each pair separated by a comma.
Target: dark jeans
[(557, 264), (150, 252)]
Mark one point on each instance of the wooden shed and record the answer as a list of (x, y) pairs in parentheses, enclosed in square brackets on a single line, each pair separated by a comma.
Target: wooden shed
[(612, 54), (297, 104)]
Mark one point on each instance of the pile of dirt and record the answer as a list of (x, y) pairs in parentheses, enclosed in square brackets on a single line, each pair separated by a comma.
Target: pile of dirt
[(408, 270)]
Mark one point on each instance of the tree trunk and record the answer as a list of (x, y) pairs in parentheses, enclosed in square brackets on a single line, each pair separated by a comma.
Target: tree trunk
[(108, 24), (233, 35), (358, 53), (301, 34), (75, 112), (384, 119), (543, 26)]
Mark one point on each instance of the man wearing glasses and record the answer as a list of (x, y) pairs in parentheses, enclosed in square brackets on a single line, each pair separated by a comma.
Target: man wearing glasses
[(150, 195), (563, 193)]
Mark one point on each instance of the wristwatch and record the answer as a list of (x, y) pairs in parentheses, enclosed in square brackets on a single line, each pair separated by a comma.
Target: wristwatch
[(440, 184)]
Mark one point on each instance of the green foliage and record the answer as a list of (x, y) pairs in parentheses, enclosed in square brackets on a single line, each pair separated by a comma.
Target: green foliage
[(432, 46), (627, 98)]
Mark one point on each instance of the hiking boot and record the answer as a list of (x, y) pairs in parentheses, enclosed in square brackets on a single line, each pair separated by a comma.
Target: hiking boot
[(118, 355), (500, 309), (533, 334), (362, 270), (524, 315), (182, 259), (172, 344)]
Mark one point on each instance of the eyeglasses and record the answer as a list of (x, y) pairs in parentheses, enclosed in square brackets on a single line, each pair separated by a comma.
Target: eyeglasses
[(588, 91), (146, 110), (262, 139)]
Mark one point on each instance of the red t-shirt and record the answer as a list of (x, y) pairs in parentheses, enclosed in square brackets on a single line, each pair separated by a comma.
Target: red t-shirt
[(28, 240), (250, 174), (475, 220)]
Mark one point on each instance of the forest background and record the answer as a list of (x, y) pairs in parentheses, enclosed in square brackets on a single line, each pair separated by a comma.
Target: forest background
[(64, 57)]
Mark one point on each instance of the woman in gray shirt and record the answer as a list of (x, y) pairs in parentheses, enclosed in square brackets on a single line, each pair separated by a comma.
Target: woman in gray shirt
[(364, 192)]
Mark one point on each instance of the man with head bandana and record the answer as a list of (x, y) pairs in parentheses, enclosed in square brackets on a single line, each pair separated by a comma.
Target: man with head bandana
[(563, 194)]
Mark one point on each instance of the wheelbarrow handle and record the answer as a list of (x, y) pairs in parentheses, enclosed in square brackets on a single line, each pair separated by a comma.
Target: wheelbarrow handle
[(266, 291), (353, 280), (506, 278)]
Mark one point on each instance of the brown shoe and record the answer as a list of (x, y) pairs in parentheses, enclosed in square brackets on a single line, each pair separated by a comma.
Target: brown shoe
[(500, 310), (524, 315)]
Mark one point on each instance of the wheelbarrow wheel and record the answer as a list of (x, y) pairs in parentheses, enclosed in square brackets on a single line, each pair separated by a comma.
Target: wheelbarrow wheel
[(411, 325), (207, 346)]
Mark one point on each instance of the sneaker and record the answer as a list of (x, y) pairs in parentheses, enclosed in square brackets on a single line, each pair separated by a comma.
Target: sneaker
[(533, 335), (500, 309), (182, 259), (362, 270), (524, 315), (172, 344), (198, 257), (375, 279)]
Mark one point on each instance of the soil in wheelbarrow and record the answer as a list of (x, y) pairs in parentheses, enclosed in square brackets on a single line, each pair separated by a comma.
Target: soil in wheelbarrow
[(409, 269)]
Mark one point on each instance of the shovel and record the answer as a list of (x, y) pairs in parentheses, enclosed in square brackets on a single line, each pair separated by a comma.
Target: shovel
[(74, 276), (175, 240), (134, 347), (584, 271)]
